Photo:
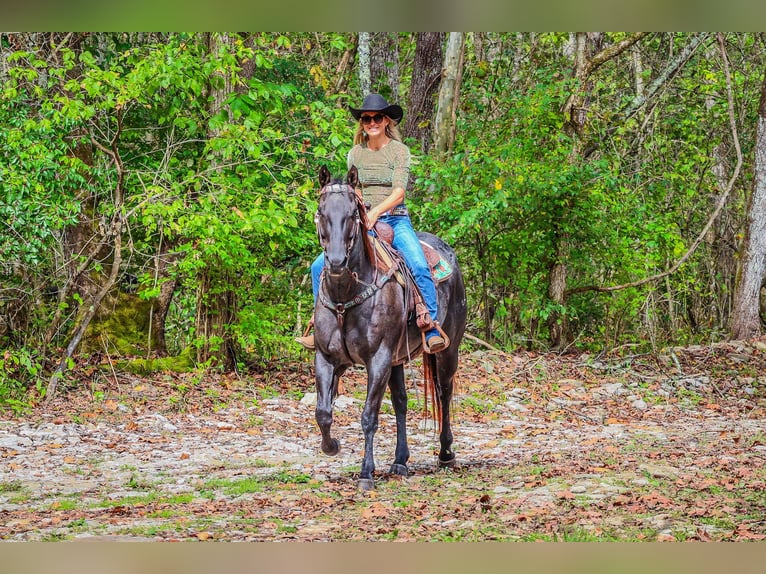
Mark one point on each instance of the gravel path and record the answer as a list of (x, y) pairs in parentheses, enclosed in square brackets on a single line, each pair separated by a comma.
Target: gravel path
[(595, 439)]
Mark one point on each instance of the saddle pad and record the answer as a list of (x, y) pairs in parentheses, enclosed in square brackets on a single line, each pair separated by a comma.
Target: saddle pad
[(440, 267)]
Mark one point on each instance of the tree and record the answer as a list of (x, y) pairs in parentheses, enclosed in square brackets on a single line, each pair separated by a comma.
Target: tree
[(364, 63), (424, 86), (444, 122), (216, 302), (384, 64), (746, 321), (575, 113)]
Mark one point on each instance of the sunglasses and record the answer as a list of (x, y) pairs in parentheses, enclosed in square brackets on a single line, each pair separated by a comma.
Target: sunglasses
[(377, 118)]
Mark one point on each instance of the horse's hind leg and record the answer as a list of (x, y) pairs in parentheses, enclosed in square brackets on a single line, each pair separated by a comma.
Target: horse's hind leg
[(399, 400), (446, 367)]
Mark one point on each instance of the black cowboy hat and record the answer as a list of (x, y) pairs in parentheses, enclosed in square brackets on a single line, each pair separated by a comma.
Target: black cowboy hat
[(377, 103)]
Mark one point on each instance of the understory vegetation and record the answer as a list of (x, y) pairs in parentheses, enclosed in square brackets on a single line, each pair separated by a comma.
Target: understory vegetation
[(157, 192)]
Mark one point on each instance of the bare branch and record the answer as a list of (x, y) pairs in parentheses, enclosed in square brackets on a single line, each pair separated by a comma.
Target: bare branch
[(612, 52), (670, 70)]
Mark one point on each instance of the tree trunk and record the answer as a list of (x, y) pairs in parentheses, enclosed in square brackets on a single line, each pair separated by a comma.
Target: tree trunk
[(426, 73), (558, 322), (746, 323), (444, 125), (161, 305), (345, 65), (112, 238), (384, 65), (363, 67), (215, 300)]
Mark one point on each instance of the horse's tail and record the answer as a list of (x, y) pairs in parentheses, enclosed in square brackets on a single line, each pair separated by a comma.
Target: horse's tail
[(431, 390)]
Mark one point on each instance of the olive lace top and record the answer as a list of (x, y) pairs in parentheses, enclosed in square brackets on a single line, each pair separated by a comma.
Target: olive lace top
[(380, 171)]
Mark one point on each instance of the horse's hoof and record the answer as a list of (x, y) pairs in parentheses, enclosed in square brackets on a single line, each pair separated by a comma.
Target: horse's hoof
[(448, 462), (332, 448), (366, 484), (399, 470)]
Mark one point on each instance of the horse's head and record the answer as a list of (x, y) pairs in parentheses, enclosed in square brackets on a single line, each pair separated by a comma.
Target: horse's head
[(340, 219)]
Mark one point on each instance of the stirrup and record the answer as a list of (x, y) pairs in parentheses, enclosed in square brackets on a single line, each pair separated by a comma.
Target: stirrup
[(307, 340), (439, 342)]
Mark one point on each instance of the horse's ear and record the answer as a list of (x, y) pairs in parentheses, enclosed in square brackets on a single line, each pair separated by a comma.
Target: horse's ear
[(352, 177), (324, 176)]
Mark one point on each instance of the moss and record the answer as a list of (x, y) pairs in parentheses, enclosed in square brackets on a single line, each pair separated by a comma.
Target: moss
[(182, 363), (121, 326)]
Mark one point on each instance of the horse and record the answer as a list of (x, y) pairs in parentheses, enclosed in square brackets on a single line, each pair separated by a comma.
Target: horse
[(362, 317)]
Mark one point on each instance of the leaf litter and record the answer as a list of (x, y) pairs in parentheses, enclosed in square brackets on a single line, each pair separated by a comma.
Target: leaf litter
[(580, 447)]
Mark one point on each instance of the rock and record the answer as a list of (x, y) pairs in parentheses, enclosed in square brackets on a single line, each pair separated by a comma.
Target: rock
[(159, 422), (518, 392), (639, 404), (612, 389), (659, 470), (659, 521), (515, 406), (309, 400), (344, 402), (13, 442)]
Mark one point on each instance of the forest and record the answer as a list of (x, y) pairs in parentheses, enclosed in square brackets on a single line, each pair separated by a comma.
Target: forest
[(157, 190)]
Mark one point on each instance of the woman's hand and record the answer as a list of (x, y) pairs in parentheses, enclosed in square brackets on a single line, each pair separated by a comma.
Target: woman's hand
[(372, 217)]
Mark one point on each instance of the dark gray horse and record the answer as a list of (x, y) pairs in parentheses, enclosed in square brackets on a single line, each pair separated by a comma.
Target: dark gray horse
[(362, 317)]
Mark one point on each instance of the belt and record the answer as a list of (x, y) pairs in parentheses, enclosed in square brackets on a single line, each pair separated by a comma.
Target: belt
[(400, 209)]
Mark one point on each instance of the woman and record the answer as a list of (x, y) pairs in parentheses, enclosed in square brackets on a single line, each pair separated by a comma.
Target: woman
[(383, 163)]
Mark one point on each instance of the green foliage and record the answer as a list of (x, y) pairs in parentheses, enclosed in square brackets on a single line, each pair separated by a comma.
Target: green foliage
[(229, 192), (219, 139), (18, 370), (511, 194)]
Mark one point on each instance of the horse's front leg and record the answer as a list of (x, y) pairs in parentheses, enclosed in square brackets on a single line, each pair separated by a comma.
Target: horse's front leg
[(378, 373), (399, 400), (327, 377)]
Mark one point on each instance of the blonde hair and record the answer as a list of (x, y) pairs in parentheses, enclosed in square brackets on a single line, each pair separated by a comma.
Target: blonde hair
[(392, 131)]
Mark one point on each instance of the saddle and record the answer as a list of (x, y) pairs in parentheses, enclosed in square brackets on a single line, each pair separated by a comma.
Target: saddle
[(387, 258), (440, 267)]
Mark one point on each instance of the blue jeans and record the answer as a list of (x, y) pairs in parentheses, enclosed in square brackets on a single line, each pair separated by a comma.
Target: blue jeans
[(408, 245)]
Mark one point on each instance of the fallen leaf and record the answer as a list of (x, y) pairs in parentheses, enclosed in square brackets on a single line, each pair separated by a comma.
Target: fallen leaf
[(662, 537), (375, 510)]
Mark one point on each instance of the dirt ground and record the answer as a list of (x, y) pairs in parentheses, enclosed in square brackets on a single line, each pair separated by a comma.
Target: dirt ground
[(587, 447)]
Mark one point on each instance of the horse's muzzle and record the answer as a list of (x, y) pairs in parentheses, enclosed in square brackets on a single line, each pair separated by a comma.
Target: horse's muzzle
[(334, 269)]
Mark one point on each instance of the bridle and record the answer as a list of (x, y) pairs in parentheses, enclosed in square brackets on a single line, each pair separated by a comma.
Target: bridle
[(342, 188), (340, 308)]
